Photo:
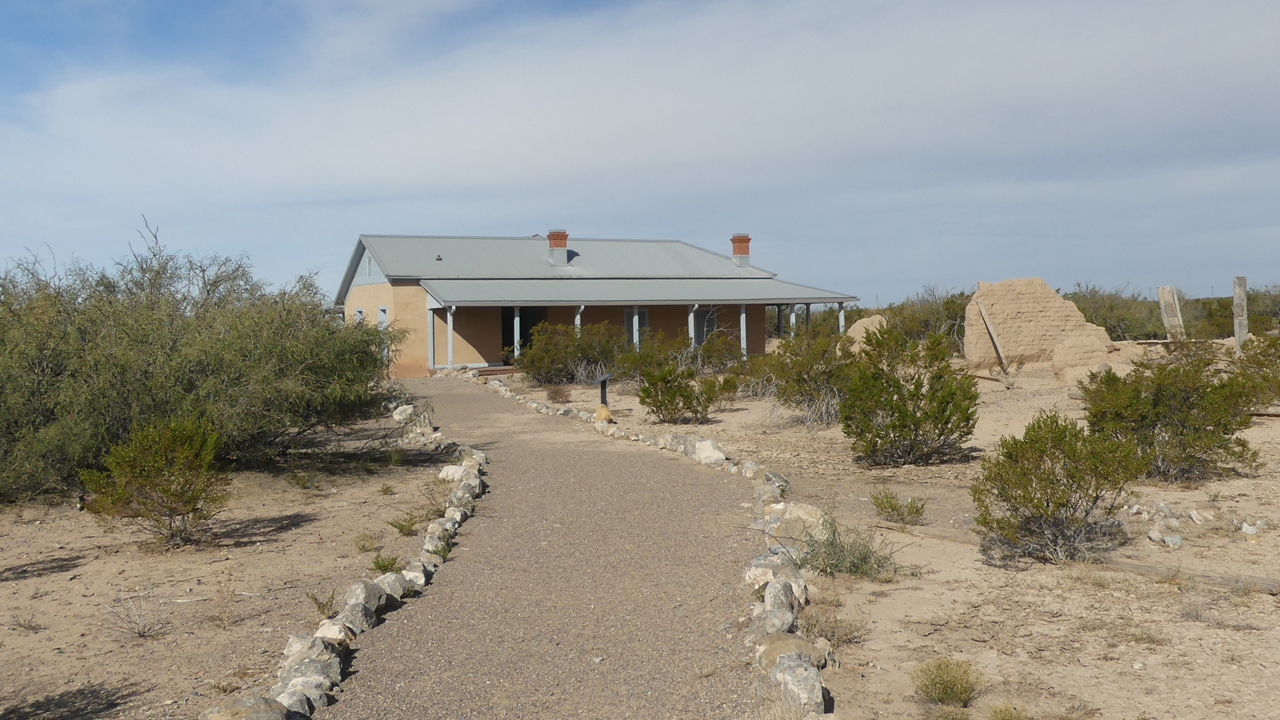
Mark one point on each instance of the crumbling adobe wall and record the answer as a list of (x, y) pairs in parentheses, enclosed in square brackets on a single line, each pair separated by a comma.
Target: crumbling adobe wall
[(1034, 324)]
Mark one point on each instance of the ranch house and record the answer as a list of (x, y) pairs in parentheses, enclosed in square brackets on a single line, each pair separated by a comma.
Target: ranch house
[(464, 300)]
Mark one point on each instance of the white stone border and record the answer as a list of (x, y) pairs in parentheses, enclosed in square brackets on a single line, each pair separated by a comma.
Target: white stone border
[(312, 664), (790, 660)]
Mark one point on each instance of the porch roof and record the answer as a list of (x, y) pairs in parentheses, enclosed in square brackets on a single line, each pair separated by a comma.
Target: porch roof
[(626, 292)]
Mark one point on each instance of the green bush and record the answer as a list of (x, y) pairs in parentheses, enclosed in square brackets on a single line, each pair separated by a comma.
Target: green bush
[(561, 354), (932, 311), (890, 507), (905, 403), (1125, 315), (675, 395), (813, 372), (161, 480), (1182, 412), (88, 355), (1050, 495)]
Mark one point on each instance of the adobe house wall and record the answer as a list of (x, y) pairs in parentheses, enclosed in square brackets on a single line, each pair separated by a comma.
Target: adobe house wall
[(477, 335)]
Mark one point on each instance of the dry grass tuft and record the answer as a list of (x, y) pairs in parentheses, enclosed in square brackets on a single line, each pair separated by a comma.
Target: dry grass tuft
[(892, 508), (365, 542), (825, 621), (947, 681), (1007, 712), (131, 615), (558, 394)]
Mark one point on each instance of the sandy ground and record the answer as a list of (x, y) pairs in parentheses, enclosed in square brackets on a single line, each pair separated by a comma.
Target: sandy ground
[(1078, 641)]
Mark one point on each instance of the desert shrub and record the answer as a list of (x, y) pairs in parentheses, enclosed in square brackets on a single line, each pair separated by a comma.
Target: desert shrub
[(406, 525), (813, 372), (890, 507), (1259, 365), (88, 355), (324, 605), (947, 681), (836, 549), (905, 403), (383, 564), (1125, 315), (1212, 317), (675, 395), (1051, 494), (161, 480), (934, 310), (655, 351), (1180, 410), (756, 377), (719, 353), (558, 394), (563, 354)]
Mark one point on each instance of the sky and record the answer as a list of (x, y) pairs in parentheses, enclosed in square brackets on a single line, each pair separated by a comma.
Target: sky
[(871, 147)]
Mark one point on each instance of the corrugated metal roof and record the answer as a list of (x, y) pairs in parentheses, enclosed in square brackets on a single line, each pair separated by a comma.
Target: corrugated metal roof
[(515, 257), (635, 291)]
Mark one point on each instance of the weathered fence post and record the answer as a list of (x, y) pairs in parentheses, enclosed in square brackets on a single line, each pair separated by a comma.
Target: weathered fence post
[(1170, 313), (1240, 311)]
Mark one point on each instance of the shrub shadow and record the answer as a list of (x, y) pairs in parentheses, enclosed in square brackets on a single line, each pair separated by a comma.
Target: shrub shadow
[(238, 533), (40, 568), (91, 701)]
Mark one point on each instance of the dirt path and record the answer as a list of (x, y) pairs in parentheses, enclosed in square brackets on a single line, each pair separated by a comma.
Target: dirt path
[(599, 579)]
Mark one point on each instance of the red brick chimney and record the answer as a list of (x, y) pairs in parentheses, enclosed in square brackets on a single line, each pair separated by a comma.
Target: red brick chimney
[(558, 247), (742, 249)]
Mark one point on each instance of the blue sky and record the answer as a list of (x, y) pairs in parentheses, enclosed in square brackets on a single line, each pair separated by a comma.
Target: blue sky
[(869, 147)]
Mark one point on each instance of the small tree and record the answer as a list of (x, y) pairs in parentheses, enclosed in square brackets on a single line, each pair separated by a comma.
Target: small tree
[(161, 481), (1048, 494), (905, 403), (1182, 412)]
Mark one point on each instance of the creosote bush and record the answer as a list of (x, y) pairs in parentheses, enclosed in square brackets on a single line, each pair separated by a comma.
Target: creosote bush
[(383, 564), (563, 355), (813, 372), (88, 356), (905, 403), (890, 507), (161, 480), (1183, 411), (947, 681), (674, 395), (1052, 493)]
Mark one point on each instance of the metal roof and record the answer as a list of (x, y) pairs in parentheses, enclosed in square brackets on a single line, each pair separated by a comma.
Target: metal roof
[(517, 271), (636, 291), (506, 257)]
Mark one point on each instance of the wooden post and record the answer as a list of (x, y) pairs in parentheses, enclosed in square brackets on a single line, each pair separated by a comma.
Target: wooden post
[(693, 337), (991, 330), (1240, 310), (1170, 313)]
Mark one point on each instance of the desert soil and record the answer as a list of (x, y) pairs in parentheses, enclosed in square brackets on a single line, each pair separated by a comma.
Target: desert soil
[(1074, 641)]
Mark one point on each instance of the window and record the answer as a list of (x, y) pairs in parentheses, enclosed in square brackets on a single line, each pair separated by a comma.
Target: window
[(382, 318), (359, 315), (368, 266)]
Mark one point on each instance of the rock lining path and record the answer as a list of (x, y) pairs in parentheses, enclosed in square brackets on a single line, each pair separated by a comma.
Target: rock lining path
[(600, 579)]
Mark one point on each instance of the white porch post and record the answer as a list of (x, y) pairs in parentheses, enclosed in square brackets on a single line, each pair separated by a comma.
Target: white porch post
[(577, 321), (841, 318), (793, 321), (742, 327), (431, 337), (449, 348), (515, 345), (635, 326), (693, 338)]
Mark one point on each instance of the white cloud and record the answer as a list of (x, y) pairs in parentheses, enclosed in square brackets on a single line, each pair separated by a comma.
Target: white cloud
[(830, 126)]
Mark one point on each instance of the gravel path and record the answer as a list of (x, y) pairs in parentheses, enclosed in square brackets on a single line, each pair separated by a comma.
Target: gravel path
[(600, 579)]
